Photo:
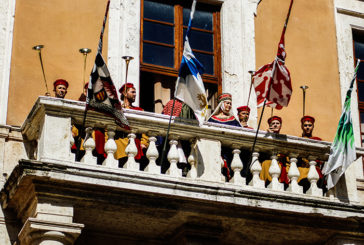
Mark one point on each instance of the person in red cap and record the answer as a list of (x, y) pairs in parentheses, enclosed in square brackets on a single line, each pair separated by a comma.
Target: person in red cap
[(60, 88), (127, 96), (307, 126), (243, 114), (275, 124)]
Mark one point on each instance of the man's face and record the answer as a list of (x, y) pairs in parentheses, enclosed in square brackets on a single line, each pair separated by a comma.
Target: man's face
[(275, 126), (307, 127), (243, 116), (60, 91), (227, 106), (131, 94)]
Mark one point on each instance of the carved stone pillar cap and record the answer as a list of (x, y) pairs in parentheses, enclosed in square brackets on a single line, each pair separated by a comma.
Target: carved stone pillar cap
[(34, 229)]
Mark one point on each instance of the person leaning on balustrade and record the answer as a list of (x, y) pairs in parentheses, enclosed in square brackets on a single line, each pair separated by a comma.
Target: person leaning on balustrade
[(223, 115), (127, 96), (275, 125), (307, 126), (60, 87)]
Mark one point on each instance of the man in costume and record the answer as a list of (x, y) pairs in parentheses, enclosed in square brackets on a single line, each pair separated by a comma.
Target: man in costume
[(307, 126), (127, 96), (275, 125), (222, 115), (243, 114), (60, 88)]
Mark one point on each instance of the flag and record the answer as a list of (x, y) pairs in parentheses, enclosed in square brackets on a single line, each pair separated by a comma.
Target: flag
[(189, 85), (342, 152), (272, 82), (101, 92), (101, 95)]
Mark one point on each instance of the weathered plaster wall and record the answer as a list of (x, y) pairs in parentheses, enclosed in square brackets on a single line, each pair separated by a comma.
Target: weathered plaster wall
[(63, 26), (311, 59)]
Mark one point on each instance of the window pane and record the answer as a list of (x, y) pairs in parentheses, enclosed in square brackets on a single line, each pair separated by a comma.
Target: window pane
[(362, 122), (361, 91), (359, 54), (200, 40), (158, 11), (207, 61), (201, 19), (158, 55), (158, 33)]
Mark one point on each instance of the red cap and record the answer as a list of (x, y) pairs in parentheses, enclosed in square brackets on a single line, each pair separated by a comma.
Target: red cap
[(60, 82), (128, 85), (223, 97), (308, 118), (243, 108), (274, 118)]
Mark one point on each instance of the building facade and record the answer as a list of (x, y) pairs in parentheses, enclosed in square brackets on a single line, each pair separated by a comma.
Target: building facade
[(49, 198)]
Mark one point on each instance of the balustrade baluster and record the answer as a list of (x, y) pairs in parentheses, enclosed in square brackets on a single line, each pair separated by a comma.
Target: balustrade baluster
[(313, 177), (110, 149), (131, 150), (275, 171), (192, 174), (152, 155), (237, 166), (89, 145), (294, 174), (255, 169), (173, 158)]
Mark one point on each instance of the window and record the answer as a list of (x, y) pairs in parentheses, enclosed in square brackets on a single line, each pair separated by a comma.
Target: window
[(358, 38), (163, 27)]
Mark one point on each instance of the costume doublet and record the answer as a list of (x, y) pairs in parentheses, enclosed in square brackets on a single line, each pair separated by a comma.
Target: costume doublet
[(228, 121)]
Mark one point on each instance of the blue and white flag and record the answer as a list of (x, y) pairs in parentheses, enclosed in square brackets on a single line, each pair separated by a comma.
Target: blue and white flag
[(189, 86), (343, 148)]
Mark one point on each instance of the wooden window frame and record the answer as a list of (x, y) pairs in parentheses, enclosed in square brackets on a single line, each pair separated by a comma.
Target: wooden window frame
[(178, 46)]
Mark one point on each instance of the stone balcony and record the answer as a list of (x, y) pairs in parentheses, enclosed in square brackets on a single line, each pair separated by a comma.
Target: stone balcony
[(52, 197)]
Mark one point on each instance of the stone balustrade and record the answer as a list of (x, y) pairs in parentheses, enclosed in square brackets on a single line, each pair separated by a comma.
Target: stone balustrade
[(49, 125)]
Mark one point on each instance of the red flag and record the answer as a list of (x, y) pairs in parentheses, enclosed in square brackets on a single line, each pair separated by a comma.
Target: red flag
[(273, 81)]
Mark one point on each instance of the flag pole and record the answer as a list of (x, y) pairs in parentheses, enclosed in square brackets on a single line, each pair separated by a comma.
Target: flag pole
[(99, 50), (268, 92)]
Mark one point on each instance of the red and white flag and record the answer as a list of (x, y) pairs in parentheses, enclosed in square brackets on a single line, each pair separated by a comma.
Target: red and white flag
[(273, 81)]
